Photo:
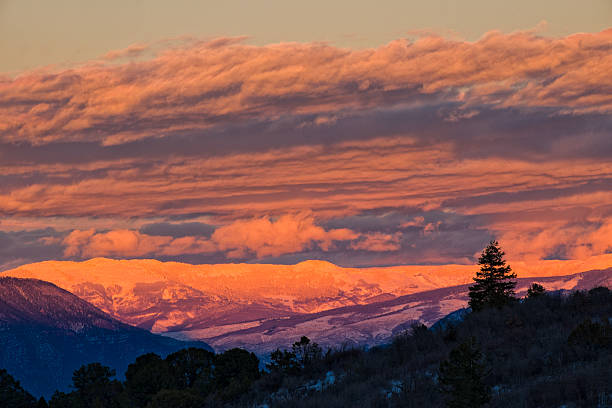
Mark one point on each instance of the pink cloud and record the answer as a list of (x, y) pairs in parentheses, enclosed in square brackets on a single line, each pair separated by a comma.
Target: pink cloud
[(86, 244), (267, 237), (201, 84), (188, 245), (431, 227), (535, 242), (418, 221), (129, 243), (132, 51), (518, 180), (262, 236)]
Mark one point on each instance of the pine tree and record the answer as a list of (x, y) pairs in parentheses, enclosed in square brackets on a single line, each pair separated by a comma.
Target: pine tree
[(461, 377), (12, 393), (535, 290), (495, 282)]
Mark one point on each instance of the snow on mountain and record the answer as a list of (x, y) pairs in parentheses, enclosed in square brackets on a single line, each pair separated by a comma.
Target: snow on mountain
[(261, 306), (374, 323), (163, 296)]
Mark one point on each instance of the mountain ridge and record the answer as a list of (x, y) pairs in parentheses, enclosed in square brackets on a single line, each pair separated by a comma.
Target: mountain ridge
[(377, 323), (260, 307), (45, 329)]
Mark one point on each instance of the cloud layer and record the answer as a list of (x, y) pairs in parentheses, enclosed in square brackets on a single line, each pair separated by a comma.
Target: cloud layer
[(259, 237), (200, 85), (414, 152)]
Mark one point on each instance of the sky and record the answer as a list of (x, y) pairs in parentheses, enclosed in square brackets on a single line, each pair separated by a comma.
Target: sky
[(272, 132), (39, 32)]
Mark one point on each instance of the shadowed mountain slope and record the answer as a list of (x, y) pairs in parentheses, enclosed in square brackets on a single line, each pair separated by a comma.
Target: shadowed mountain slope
[(46, 333)]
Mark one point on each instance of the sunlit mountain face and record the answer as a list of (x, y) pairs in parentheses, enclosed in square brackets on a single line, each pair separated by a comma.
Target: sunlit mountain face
[(263, 307)]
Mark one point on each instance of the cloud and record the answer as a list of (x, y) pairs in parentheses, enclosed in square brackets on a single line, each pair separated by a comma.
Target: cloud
[(418, 221), (134, 50), (378, 242), (268, 237), (130, 244), (414, 152), (87, 244), (559, 241), (424, 188), (178, 229), (20, 247), (261, 236), (197, 86)]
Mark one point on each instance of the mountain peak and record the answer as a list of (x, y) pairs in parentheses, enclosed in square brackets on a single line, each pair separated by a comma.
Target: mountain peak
[(316, 264)]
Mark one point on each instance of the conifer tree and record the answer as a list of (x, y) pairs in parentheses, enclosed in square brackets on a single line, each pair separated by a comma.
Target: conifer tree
[(462, 375), (535, 290), (12, 393), (495, 282)]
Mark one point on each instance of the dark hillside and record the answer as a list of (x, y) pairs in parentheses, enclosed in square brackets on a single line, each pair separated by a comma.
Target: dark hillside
[(46, 333), (547, 351)]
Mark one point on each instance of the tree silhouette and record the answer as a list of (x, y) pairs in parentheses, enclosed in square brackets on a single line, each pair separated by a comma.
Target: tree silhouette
[(235, 370), (192, 367), (12, 394), (535, 290), (176, 399), (591, 335), (145, 377), (283, 361), (461, 377), (495, 282), (93, 388), (306, 352)]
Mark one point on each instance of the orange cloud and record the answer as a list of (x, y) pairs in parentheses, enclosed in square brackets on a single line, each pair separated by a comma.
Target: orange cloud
[(133, 50), (262, 236), (335, 180), (266, 237), (87, 244), (505, 136), (535, 242), (202, 84)]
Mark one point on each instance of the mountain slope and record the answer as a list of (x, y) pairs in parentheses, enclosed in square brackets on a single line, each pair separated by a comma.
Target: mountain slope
[(171, 296), (262, 307), (164, 296), (47, 332), (369, 324)]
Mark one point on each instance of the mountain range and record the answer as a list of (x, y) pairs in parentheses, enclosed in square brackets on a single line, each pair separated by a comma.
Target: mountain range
[(370, 324), (262, 307)]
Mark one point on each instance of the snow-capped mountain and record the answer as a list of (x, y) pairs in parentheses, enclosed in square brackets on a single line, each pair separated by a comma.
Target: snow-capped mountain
[(46, 333), (370, 324), (261, 307), (170, 296)]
